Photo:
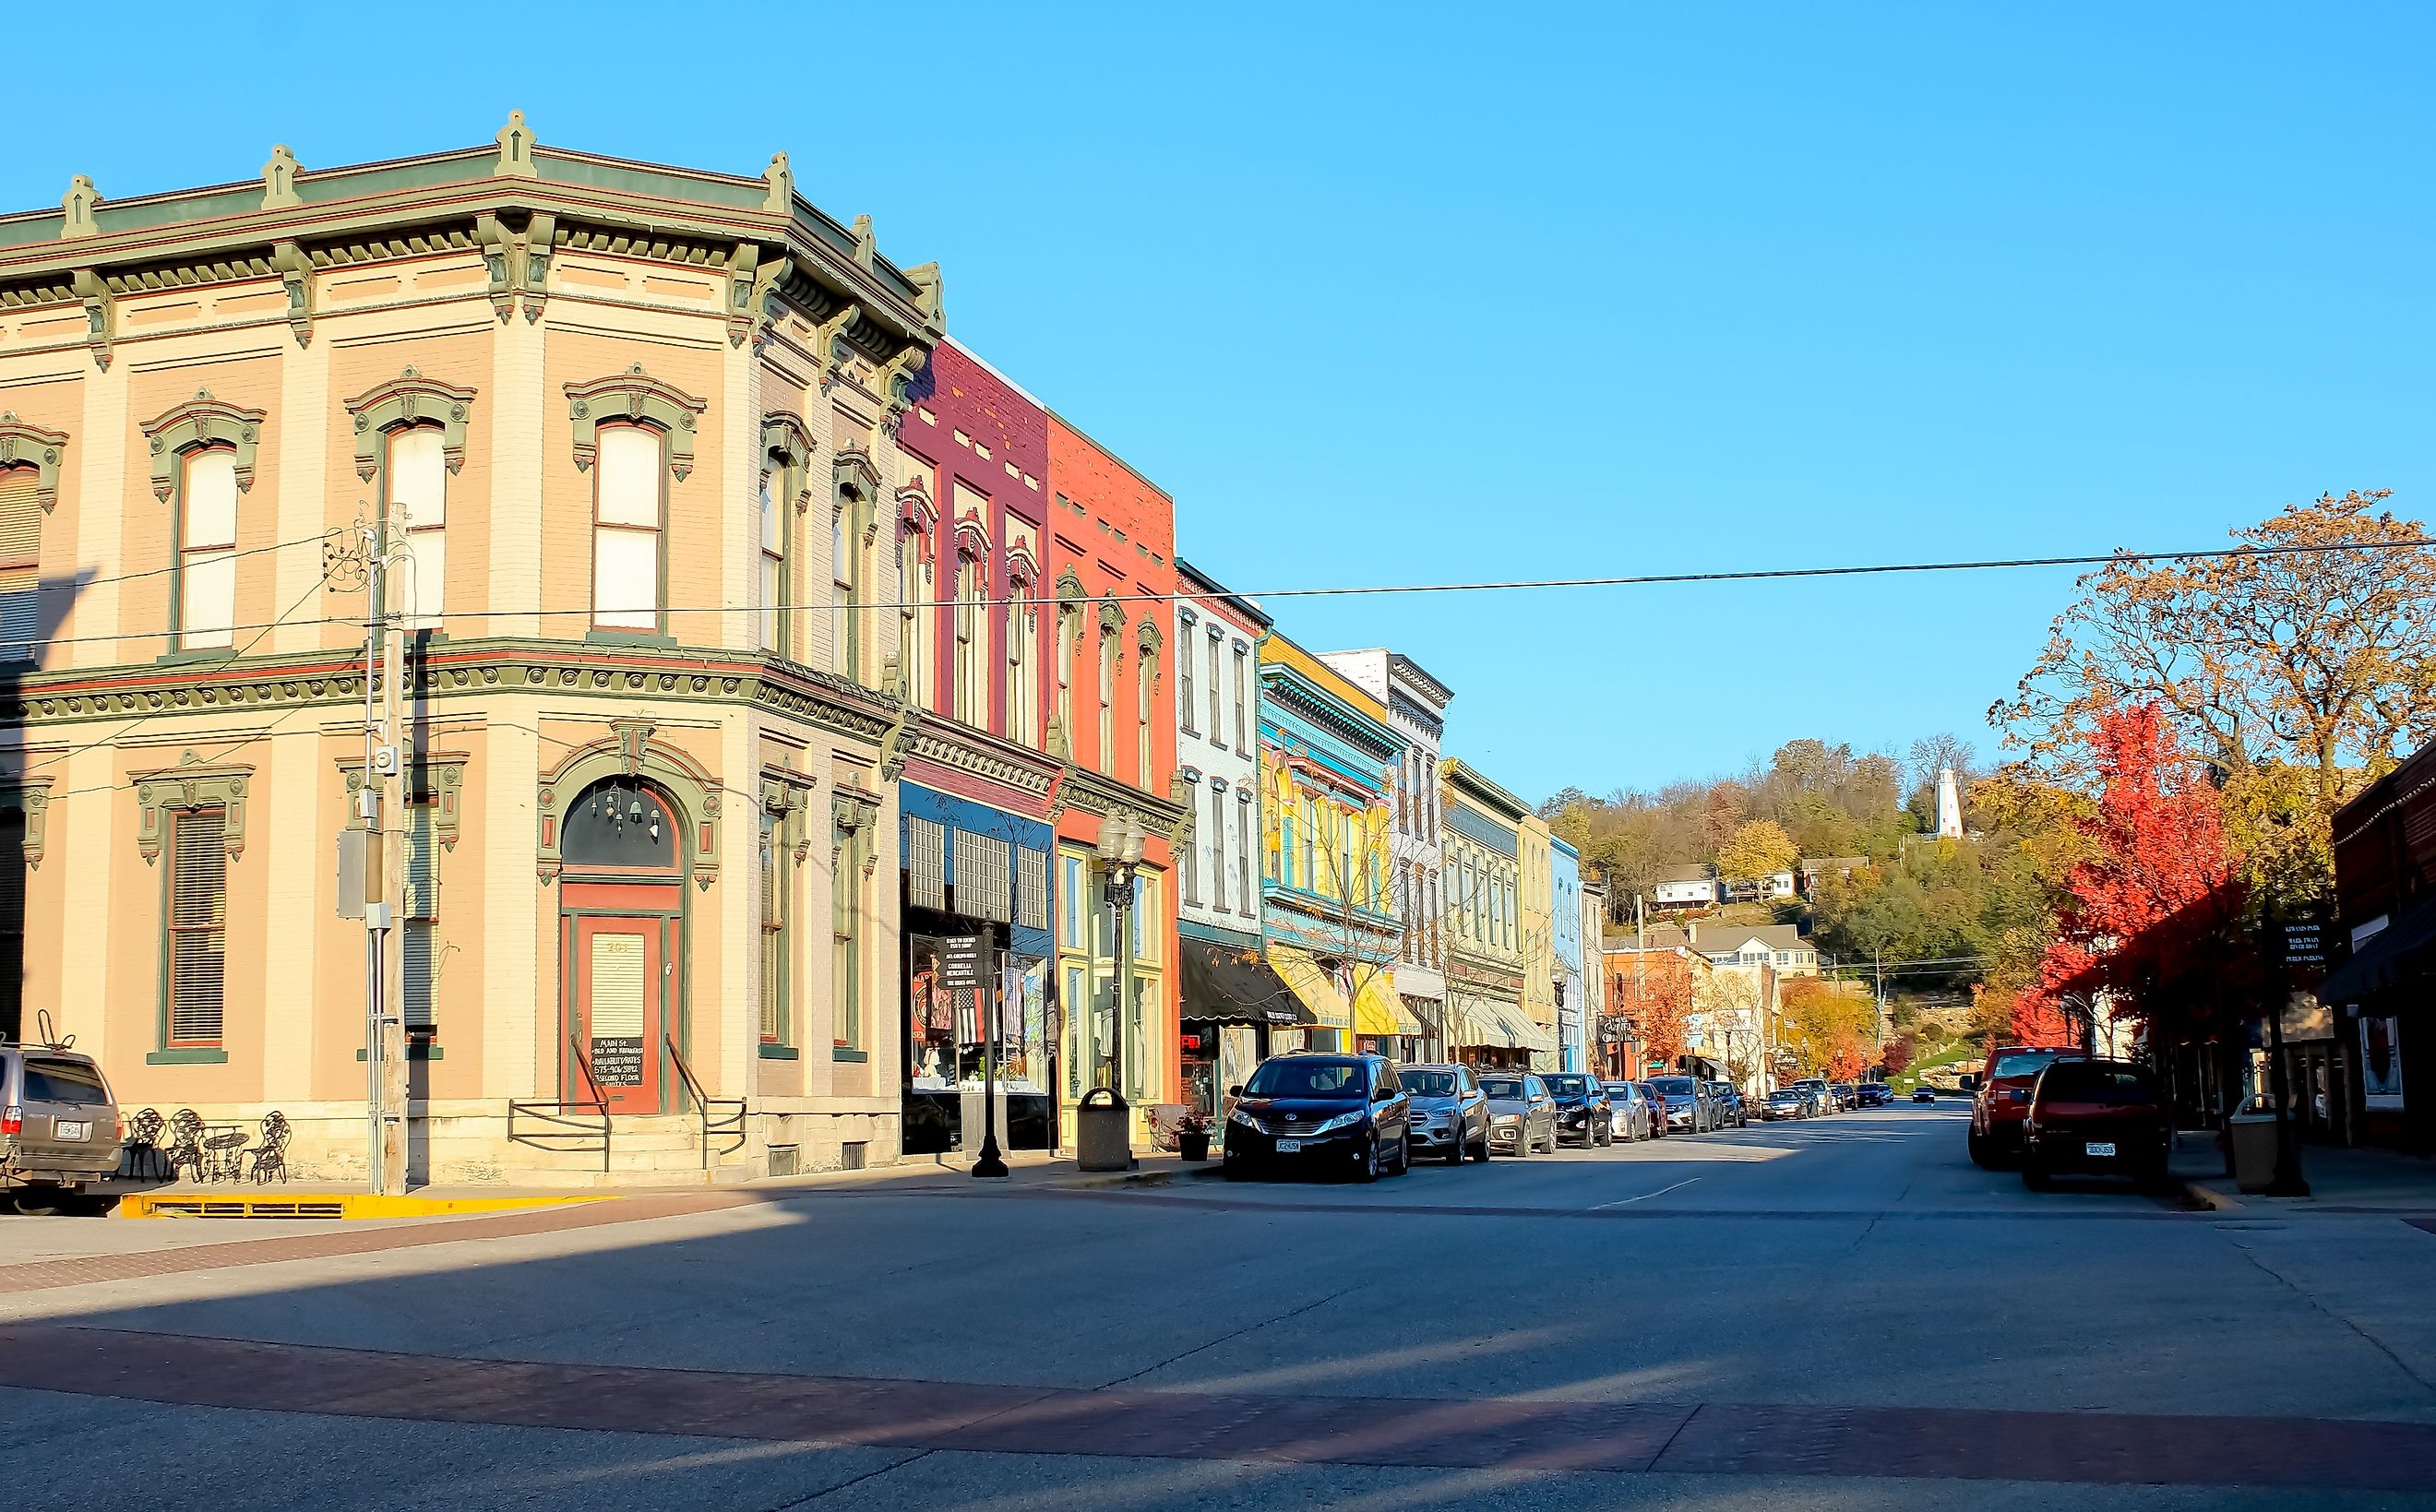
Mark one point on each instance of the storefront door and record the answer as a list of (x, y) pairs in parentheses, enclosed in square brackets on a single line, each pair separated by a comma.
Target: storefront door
[(620, 968)]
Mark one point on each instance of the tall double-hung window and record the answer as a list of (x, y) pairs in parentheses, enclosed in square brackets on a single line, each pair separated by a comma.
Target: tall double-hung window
[(972, 642), (196, 956), (628, 523), (418, 516), (1022, 685), (20, 551), (207, 551), (770, 582), (1108, 703)]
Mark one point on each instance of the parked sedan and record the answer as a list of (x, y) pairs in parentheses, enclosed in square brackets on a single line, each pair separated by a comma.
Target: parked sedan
[(1728, 1102), (1581, 1109), (1876, 1094), (1784, 1103), (2093, 1117), (1816, 1093), (1923, 1094), (1522, 1113), (1848, 1097), (1325, 1112), (1687, 1111), (2001, 1099), (1450, 1111), (1628, 1111), (1656, 1109)]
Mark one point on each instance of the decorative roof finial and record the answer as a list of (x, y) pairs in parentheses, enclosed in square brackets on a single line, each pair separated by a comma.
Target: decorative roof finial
[(516, 149), (865, 246), (781, 180), (279, 180), (82, 198)]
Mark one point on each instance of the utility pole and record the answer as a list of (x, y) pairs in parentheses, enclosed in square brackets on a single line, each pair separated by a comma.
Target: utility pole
[(381, 806)]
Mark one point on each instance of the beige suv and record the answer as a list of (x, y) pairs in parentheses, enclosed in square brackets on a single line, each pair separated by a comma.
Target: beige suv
[(59, 1129)]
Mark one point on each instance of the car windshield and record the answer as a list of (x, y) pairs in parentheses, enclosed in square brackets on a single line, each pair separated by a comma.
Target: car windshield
[(1307, 1078), (1622, 1089), (50, 1081), (1428, 1083), (1501, 1085), (2025, 1062), (1672, 1086), (1784, 1097), (2088, 1082), (1570, 1085)]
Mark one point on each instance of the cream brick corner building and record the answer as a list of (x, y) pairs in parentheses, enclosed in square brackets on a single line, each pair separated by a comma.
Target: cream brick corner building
[(625, 428)]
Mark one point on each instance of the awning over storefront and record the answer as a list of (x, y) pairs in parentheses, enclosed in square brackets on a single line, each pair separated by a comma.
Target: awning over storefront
[(2392, 954), (1233, 985), (1378, 1010), (1481, 1023), (1314, 983)]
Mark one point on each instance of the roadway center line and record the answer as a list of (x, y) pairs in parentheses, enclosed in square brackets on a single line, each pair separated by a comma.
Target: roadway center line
[(1644, 1196)]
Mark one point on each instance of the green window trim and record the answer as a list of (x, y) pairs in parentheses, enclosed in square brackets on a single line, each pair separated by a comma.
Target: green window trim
[(635, 395), (23, 445), (404, 402), (194, 1056), (847, 1056)]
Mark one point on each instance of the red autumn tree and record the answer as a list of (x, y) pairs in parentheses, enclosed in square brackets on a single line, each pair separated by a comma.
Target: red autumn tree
[(2153, 916), (1850, 1058), (1897, 1056), (2038, 1019)]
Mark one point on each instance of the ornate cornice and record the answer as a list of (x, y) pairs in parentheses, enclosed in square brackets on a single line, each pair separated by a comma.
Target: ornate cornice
[(1088, 791), (22, 442), (963, 749), (465, 669)]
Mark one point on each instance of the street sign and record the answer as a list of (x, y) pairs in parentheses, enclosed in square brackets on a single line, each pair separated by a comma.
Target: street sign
[(965, 962)]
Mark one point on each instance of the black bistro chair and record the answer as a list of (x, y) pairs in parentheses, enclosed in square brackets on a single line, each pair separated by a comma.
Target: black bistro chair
[(270, 1155), (144, 1156)]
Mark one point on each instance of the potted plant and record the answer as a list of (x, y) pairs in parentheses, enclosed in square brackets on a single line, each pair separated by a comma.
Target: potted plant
[(1193, 1136)]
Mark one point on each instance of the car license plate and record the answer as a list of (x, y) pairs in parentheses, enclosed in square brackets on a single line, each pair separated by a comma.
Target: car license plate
[(2100, 1147), (1289, 1147), (73, 1131)]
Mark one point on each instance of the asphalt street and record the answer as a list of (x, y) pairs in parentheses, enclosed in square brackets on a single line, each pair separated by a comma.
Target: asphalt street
[(1837, 1312)]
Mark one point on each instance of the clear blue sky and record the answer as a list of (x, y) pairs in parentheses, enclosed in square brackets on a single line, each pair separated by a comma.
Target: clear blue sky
[(1532, 292)]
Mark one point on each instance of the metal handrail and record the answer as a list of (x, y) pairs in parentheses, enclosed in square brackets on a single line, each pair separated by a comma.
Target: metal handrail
[(726, 1123), (570, 1133)]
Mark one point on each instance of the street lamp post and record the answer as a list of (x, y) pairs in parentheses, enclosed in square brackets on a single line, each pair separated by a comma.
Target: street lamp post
[(1121, 852)]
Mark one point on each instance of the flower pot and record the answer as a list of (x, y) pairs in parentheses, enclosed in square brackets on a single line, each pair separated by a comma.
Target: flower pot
[(1192, 1144)]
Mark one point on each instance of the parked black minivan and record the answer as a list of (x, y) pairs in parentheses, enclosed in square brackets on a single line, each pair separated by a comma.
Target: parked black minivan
[(1328, 1114)]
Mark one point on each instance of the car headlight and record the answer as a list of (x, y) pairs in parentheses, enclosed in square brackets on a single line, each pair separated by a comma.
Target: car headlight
[(1343, 1121), (1507, 1121), (1239, 1116)]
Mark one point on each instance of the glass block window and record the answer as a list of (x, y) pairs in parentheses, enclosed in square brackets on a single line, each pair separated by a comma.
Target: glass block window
[(985, 883), (926, 862)]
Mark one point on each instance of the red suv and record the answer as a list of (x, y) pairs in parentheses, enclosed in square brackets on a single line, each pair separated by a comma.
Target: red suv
[(2093, 1117), (2004, 1097)]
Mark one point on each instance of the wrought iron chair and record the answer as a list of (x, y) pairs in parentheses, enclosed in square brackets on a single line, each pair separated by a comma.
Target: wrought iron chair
[(272, 1153), (143, 1155), (186, 1143)]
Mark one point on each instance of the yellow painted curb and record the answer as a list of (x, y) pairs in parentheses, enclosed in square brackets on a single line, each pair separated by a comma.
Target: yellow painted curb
[(330, 1205)]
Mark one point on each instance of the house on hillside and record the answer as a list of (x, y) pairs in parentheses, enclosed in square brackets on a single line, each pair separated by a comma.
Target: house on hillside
[(1779, 946), (1760, 889), (1686, 887)]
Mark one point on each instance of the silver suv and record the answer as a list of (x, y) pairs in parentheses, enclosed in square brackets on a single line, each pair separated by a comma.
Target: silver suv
[(1449, 1113), (59, 1128)]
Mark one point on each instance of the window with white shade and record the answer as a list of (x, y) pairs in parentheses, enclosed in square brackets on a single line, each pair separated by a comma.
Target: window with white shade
[(1145, 676), (207, 551), (770, 586), (917, 591), (418, 506), (626, 530), (972, 644), (841, 637), (1108, 703), (1022, 695)]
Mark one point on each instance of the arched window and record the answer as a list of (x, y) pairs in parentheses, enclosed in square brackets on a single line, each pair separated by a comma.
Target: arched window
[(207, 549), (1069, 635), (918, 594), (417, 479), (972, 642), (1022, 692), (1108, 761), (619, 826), (1145, 677), (627, 527), (769, 585)]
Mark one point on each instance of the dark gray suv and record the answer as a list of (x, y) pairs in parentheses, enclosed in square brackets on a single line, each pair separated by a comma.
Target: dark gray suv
[(59, 1128)]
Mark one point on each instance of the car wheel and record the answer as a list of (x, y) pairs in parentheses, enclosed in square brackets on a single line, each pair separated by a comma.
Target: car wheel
[(1404, 1157), (1979, 1154), (2035, 1176), (1235, 1170), (43, 1202), (1368, 1172), (1484, 1152)]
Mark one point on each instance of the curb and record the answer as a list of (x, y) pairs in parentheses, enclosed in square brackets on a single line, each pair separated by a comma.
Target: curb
[(2201, 1194), (342, 1204)]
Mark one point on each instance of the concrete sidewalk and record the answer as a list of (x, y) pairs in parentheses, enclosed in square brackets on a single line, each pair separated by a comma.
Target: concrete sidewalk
[(326, 1200), (2359, 1180)]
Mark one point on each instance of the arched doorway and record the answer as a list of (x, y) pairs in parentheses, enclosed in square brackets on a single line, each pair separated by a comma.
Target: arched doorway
[(621, 940)]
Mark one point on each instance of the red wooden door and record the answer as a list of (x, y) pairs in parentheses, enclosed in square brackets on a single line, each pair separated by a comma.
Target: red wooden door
[(620, 970)]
